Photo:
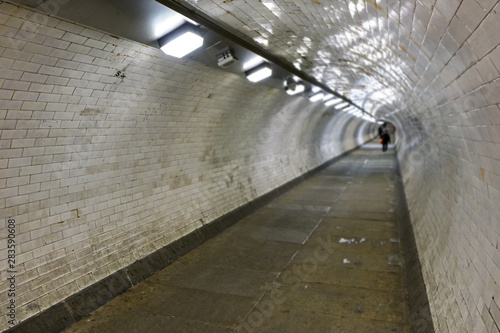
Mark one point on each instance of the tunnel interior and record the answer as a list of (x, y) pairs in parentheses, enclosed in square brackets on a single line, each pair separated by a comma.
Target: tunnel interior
[(99, 171)]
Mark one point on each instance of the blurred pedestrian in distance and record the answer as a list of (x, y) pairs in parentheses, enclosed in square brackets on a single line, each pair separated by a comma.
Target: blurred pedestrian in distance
[(385, 139)]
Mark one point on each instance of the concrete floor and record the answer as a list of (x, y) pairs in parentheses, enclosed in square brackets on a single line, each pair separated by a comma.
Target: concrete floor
[(324, 257)]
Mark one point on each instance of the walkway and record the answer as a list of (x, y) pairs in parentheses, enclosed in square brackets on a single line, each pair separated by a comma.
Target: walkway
[(324, 257)]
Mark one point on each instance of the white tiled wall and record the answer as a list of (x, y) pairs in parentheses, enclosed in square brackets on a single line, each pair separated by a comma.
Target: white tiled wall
[(99, 171), (451, 173), (118, 162)]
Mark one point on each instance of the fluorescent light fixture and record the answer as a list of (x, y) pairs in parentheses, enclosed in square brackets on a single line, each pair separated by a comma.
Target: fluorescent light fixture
[(259, 72), (327, 97), (299, 87), (293, 85), (342, 105), (331, 102), (315, 89), (164, 25), (181, 41), (369, 118), (316, 97), (255, 61)]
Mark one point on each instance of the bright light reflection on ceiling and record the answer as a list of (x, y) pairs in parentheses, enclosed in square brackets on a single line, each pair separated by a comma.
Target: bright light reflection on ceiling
[(302, 50), (268, 27), (356, 6), (261, 41), (325, 56), (273, 8)]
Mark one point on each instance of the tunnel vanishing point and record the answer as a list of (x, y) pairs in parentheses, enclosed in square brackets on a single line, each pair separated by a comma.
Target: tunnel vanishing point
[(116, 158)]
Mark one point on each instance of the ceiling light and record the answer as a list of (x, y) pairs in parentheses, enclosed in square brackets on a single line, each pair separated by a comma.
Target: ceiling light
[(256, 60), (259, 72), (299, 87), (331, 102), (293, 85), (316, 97), (342, 105), (368, 118), (327, 97), (181, 41)]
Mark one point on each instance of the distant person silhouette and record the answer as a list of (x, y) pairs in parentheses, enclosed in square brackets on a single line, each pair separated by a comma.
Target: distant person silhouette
[(386, 138)]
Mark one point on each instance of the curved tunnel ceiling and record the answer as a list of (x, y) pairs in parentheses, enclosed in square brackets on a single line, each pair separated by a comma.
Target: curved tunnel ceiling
[(372, 52), (365, 50), (384, 55)]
